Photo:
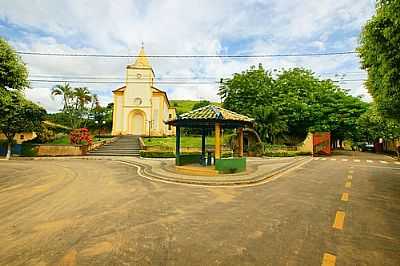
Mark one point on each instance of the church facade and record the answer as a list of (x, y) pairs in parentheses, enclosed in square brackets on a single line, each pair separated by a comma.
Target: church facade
[(139, 107)]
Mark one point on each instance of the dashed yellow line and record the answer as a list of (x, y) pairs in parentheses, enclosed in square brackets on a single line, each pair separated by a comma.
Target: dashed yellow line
[(348, 184), (345, 196), (328, 260), (350, 177), (339, 220), (351, 171)]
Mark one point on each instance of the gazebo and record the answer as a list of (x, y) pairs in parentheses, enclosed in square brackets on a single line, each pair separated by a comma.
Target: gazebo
[(217, 118)]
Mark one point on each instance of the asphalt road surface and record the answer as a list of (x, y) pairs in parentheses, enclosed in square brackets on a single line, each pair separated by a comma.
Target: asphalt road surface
[(342, 210)]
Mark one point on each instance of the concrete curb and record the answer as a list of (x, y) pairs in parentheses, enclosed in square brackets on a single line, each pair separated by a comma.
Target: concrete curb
[(146, 172)]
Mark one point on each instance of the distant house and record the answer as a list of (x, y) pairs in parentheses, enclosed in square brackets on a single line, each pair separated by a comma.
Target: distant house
[(139, 107), (20, 137)]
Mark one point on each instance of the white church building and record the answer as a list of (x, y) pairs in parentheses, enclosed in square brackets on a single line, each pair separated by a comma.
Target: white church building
[(139, 107)]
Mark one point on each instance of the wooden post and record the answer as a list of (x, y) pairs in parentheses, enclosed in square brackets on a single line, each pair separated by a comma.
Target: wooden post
[(217, 141), (203, 146), (178, 144), (241, 142)]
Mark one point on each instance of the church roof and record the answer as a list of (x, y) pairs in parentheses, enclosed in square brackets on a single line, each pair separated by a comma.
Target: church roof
[(120, 89), (141, 60)]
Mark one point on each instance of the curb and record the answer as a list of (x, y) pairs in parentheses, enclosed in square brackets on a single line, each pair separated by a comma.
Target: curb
[(145, 171)]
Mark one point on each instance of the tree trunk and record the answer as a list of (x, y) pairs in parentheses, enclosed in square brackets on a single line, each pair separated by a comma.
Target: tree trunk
[(8, 155)]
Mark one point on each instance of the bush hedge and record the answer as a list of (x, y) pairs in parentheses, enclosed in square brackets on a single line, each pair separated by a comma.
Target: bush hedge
[(157, 154)]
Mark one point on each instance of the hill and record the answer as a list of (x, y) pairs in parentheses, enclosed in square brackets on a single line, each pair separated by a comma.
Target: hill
[(183, 106)]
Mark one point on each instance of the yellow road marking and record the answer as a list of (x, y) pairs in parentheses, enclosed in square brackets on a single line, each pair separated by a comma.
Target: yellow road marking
[(328, 260), (351, 171), (397, 162), (344, 160), (350, 177), (369, 161), (333, 159), (316, 158), (348, 184), (345, 196), (339, 220), (356, 160), (323, 159), (383, 162)]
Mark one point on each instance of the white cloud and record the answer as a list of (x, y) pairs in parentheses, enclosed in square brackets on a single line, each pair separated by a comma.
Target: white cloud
[(183, 27)]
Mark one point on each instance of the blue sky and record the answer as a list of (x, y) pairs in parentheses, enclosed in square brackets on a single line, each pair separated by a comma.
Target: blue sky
[(183, 27)]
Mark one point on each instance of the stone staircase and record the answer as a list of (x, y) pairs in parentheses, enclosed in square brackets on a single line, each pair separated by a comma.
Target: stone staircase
[(123, 146)]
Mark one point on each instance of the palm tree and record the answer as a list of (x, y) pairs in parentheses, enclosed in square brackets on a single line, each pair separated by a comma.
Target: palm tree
[(64, 90), (83, 96)]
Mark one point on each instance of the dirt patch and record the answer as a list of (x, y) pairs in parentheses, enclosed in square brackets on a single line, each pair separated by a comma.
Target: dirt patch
[(69, 259), (255, 235), (223, 195), (54, 225), (97, 249)]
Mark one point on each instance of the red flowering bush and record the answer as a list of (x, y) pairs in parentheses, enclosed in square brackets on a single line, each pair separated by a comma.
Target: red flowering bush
[(80, 136)]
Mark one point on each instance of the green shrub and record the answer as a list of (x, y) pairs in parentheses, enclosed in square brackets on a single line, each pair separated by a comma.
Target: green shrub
[(157, 154), (28, 150)]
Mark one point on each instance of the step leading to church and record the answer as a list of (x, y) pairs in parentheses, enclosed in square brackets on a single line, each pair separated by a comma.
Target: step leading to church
[(123, 146)]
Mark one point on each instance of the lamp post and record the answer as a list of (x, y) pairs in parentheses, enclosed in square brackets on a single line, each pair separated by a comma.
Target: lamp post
[(104, 122), (149, 129), (97, 125)]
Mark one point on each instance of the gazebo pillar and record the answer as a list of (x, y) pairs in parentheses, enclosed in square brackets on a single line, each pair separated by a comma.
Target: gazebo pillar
[(217, 141), (178, 144), (240, 142), (203, 146)]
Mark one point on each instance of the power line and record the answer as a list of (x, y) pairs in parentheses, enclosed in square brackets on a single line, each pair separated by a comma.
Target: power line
[(186, 56), (163, 78), (116, 82), (147, 82)]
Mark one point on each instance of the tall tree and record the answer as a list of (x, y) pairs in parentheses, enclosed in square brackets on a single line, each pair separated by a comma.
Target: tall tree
[(65, 90), (380, 56), (78, 104), (13, 73), (372, 126), (286, 107), (18, 115)]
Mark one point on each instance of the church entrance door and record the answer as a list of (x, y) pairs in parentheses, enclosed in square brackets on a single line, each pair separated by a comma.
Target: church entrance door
[(137, 124)]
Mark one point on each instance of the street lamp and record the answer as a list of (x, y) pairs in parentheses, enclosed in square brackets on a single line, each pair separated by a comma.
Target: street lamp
[(149, 129)]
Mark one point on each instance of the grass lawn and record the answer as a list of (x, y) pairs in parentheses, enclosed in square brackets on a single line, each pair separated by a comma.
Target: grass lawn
[(186, 141)]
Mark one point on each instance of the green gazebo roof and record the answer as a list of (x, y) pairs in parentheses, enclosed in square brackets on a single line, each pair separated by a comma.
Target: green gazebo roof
[(209, 115)]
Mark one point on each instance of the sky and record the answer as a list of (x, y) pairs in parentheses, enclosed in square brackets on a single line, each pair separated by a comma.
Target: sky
[(182, 27)]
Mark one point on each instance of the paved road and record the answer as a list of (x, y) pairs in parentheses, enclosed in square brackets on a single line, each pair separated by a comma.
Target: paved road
[(82, 212)]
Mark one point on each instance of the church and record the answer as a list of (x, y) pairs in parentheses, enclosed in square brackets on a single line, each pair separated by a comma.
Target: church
[(139, 107)]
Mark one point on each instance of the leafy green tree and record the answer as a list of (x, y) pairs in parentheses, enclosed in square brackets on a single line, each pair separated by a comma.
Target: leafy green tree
[(13, 73), (200, 104), (270, 123), (293, 103), (78, 104), (372, 126), (247, 90), (18, 115), (380, 56)]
